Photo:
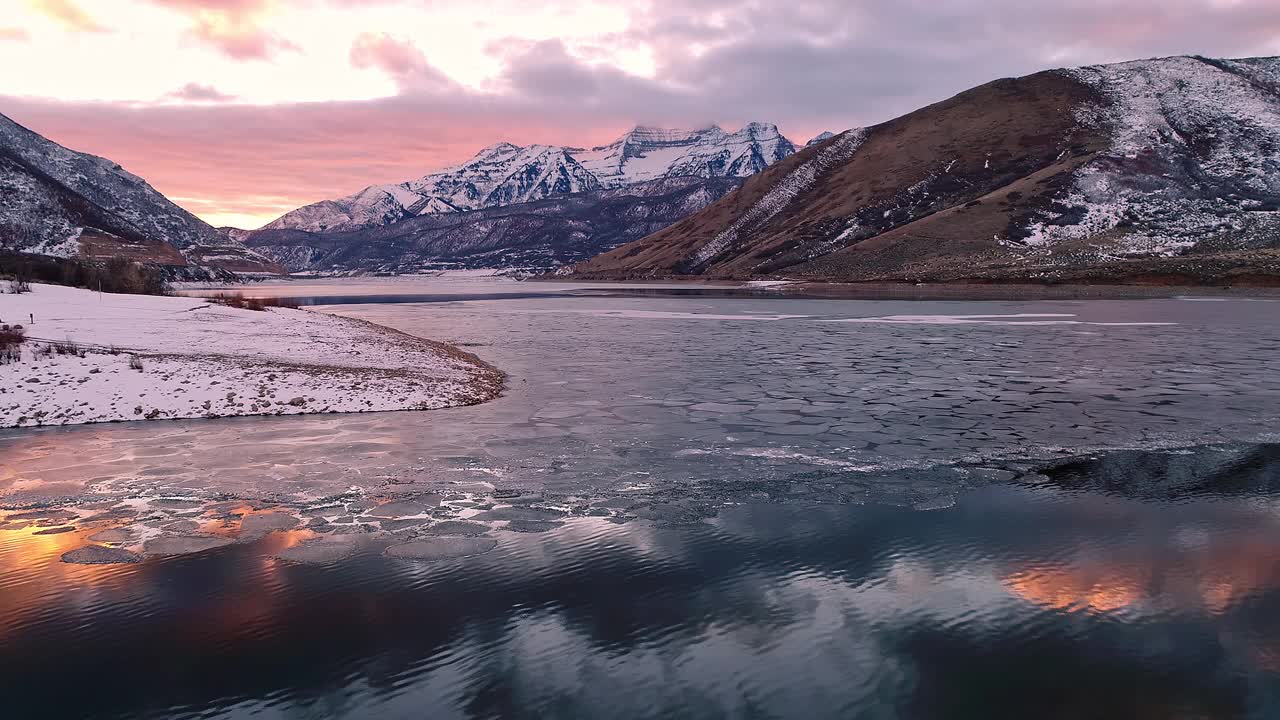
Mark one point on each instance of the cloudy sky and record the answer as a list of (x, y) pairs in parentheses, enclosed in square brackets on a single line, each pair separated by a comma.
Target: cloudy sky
[(241, 110)]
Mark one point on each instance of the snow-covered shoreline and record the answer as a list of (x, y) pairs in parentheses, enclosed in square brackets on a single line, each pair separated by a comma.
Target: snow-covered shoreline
[(204, 360)]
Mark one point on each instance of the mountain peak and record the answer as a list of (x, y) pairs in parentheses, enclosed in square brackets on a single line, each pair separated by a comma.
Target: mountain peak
[(761, 129), (497, 149), (505, 173), (648, 135), (824, 135), (647, 153)]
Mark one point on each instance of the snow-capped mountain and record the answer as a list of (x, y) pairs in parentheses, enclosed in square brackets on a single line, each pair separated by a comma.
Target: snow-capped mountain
[(506, 174), (540, 234), (647, 153), (824, 135), (56, 201), (500, 174), (1163, 170)]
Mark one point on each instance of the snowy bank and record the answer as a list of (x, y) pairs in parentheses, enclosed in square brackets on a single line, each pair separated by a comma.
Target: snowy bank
[(135, 357)]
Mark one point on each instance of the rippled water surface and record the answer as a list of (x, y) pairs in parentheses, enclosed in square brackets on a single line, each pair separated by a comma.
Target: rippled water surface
[(685, 506)]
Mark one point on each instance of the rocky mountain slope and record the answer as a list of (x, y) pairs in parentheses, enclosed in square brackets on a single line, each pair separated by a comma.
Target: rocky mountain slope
[(55, 201), (825, 135), (647, 153), (501, 174), (506, 174), (1163, 170), (557, 230)]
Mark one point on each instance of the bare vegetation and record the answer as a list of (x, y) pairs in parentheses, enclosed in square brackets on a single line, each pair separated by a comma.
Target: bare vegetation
[(116, 275), (68, 347), (238, 300), (11, 339)]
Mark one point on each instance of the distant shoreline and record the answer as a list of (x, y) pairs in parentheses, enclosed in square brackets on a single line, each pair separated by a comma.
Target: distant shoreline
[(937, 290), (796, 289)]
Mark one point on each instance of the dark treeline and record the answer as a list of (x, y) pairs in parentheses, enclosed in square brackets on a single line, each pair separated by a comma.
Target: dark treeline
[(115, 275)]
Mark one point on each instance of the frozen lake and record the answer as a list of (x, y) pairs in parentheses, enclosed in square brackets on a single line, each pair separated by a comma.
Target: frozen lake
[(695, 505), (607, 392)]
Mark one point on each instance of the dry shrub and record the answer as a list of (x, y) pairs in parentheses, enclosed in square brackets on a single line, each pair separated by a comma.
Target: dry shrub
[(11, 339), (67, 347), (235, 300), (238, 300), (116, 275)]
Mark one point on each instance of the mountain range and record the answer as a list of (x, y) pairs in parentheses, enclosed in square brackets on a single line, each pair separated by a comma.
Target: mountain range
[(55, 201), (1158, 171), (1162, 171), (506, 174), (554, 231), (537, 206)]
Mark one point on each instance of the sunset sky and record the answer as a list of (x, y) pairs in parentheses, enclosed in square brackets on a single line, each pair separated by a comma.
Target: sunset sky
[(240, 110)]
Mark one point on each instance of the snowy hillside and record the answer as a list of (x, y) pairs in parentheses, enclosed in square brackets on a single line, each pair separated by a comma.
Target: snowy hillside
[(98, 357), (56, 201), (1156, 171), (506, 174), (98, 180), (799, 179), (1194, 156)]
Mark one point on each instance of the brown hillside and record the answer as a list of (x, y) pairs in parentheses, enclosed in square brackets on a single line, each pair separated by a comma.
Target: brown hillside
[(900, 198)]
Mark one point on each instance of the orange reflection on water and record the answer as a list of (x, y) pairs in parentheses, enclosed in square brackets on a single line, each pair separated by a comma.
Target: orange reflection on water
[(285, 539), (34, 578), (228, 525), (32, 571), (29, 548), (1246, 565), (1229, 566), (1074, 589)]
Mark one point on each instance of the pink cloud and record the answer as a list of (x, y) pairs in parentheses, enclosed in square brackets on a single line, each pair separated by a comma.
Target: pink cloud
[(238, 41), (69, 15), (227, 6), (10, 34), (400, 59), (233, 27), (200, 93)]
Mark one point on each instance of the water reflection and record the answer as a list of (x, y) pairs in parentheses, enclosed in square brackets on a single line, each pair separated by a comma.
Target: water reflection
[(1016, 602), (1129, 584)]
